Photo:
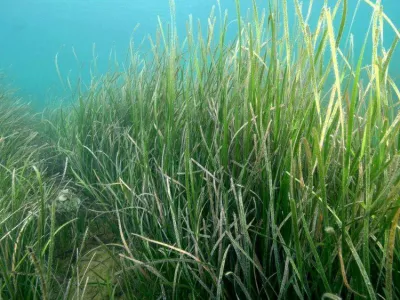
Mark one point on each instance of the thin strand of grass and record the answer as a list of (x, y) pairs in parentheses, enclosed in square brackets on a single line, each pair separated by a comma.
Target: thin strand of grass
[(389, 256), (221, 273)]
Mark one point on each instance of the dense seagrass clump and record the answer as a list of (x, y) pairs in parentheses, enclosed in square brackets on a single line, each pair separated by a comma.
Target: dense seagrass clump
[(267, 167)]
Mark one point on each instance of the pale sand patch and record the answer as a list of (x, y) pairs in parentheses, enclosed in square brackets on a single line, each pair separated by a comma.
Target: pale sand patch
[(96, 276)]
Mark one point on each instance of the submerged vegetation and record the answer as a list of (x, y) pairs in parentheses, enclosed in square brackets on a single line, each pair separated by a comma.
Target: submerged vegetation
[(267, 167)]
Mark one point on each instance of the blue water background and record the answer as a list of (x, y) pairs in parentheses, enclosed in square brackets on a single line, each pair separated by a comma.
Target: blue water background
[(32, 32)]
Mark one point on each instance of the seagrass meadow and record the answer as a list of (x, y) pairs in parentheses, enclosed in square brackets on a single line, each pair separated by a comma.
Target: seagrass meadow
[(266, 167)]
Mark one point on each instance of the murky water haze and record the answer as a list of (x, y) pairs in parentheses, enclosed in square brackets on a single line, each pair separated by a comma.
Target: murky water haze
[(32, 32)]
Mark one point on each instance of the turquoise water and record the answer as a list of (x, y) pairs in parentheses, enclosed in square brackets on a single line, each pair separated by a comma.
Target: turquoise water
[(32, 32)]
